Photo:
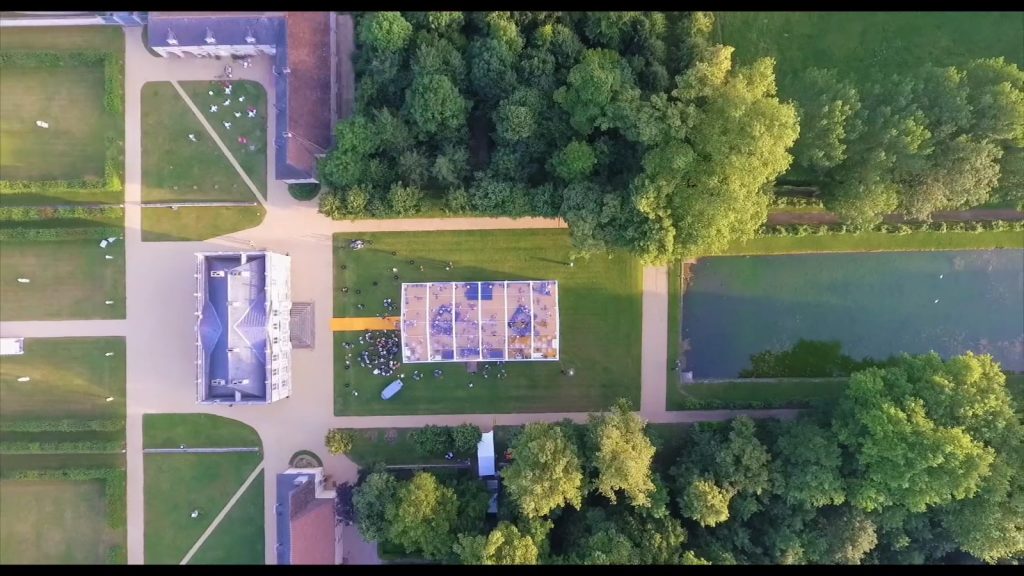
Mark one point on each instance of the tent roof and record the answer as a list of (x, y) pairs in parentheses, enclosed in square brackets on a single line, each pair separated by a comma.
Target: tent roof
[(485, 454)]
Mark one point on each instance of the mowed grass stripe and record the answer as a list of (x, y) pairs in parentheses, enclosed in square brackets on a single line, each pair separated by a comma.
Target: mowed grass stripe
[(239, 538), (197, 431)]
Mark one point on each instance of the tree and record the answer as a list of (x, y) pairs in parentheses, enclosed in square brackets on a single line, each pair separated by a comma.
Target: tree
[(373, 500), (592, 87), (492, 68), (423, 516), (339, 441), (806, 469), (622, 455), (546, 472), (440, 56), (432, 440), (826, 106), (917, 430), (435, 105), (1011, 179), (404, 200), (384, 31), (504, 545), (465, 438), (574, 162), (841, 535), (705, 502)]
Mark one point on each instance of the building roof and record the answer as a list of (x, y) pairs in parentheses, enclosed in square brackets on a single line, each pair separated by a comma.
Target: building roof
[(308, 59), (305, 525), (228, 28), (485, 454)]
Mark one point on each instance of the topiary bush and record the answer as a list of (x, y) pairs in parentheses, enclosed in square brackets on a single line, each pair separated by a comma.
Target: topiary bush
[(339, 441), (304, 192)]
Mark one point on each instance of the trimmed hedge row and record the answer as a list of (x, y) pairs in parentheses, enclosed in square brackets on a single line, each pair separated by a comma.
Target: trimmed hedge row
[(31, 213), (108, 425), (900, 229), (40, 234), (79, 447), (113, 102), (687, 403), (114, 486)]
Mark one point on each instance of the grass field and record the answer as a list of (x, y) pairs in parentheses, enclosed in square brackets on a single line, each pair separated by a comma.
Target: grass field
[(71, 280), (599, 304), (71, 101), (877, 242), (71, 378), (782, 393), (54, 522), (675, 317), (177, 484), (862, 43), (196, 431), (197, 222), (371, 445), (874, 304), (239, 537), (252, 155), (44, 521)]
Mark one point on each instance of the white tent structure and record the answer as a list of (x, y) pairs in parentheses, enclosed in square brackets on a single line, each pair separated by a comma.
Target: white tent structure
[(485, 455), (12, 346)]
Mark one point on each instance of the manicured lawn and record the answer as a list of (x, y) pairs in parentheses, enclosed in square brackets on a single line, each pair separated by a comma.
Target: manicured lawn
[(675, 314), (782, 393), (197, 222), (874, 304), (54, 522), (174, 168), (71, 378), (63, 38), (878, 242), (599, 304), (860, 43), (177, 484), (391, 446), (71, 101), (197, 431), (238, 539), (251, 155)]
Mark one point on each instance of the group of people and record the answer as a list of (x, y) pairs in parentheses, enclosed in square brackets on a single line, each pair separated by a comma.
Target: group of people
[(381, 353)]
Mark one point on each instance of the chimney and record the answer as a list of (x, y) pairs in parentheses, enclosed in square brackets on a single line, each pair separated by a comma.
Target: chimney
[(249, 38), (209, 37), (170, 38)]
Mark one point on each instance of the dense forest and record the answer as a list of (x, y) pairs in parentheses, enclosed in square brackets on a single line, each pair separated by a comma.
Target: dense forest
[(919, 461), (645, 135)]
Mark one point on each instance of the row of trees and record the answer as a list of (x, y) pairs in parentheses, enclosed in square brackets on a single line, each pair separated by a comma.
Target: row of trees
[(630, 125), (918, 460), (643, 134), (931, 139)]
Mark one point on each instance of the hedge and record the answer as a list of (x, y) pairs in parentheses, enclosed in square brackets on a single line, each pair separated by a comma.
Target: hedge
[(900, 229), (109, 425), (39, 234), (114, 486), (796, 202), (30, 213), (79, 447), (111, 180)]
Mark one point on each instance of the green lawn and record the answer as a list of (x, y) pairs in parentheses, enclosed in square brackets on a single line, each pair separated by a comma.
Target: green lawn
[(877, 242), (174, 168), (71, 101), (675, 317), (197, 222), (197, 431), (862, 43), (43, 522), (177, 484), (238, 539), (71, 378), (599, 304), (252, 155), (392, 446), (786, 392)]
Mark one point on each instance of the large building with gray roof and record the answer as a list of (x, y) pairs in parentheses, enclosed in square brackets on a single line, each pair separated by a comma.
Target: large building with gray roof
[(243, 312)]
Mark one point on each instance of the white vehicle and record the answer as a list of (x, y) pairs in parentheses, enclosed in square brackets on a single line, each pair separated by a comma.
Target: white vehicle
[(391, 390)]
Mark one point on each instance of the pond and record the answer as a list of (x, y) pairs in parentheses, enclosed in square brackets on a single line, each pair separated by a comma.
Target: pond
[(876, 304)]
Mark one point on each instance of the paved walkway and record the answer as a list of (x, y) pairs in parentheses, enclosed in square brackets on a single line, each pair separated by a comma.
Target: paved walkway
[(160, 329)]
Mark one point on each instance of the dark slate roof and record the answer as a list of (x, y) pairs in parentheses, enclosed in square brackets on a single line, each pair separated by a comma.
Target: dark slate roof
[(227, 30)]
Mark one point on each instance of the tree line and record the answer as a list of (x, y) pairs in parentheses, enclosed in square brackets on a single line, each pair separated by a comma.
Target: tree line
[(918, 461), (644, 134)]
